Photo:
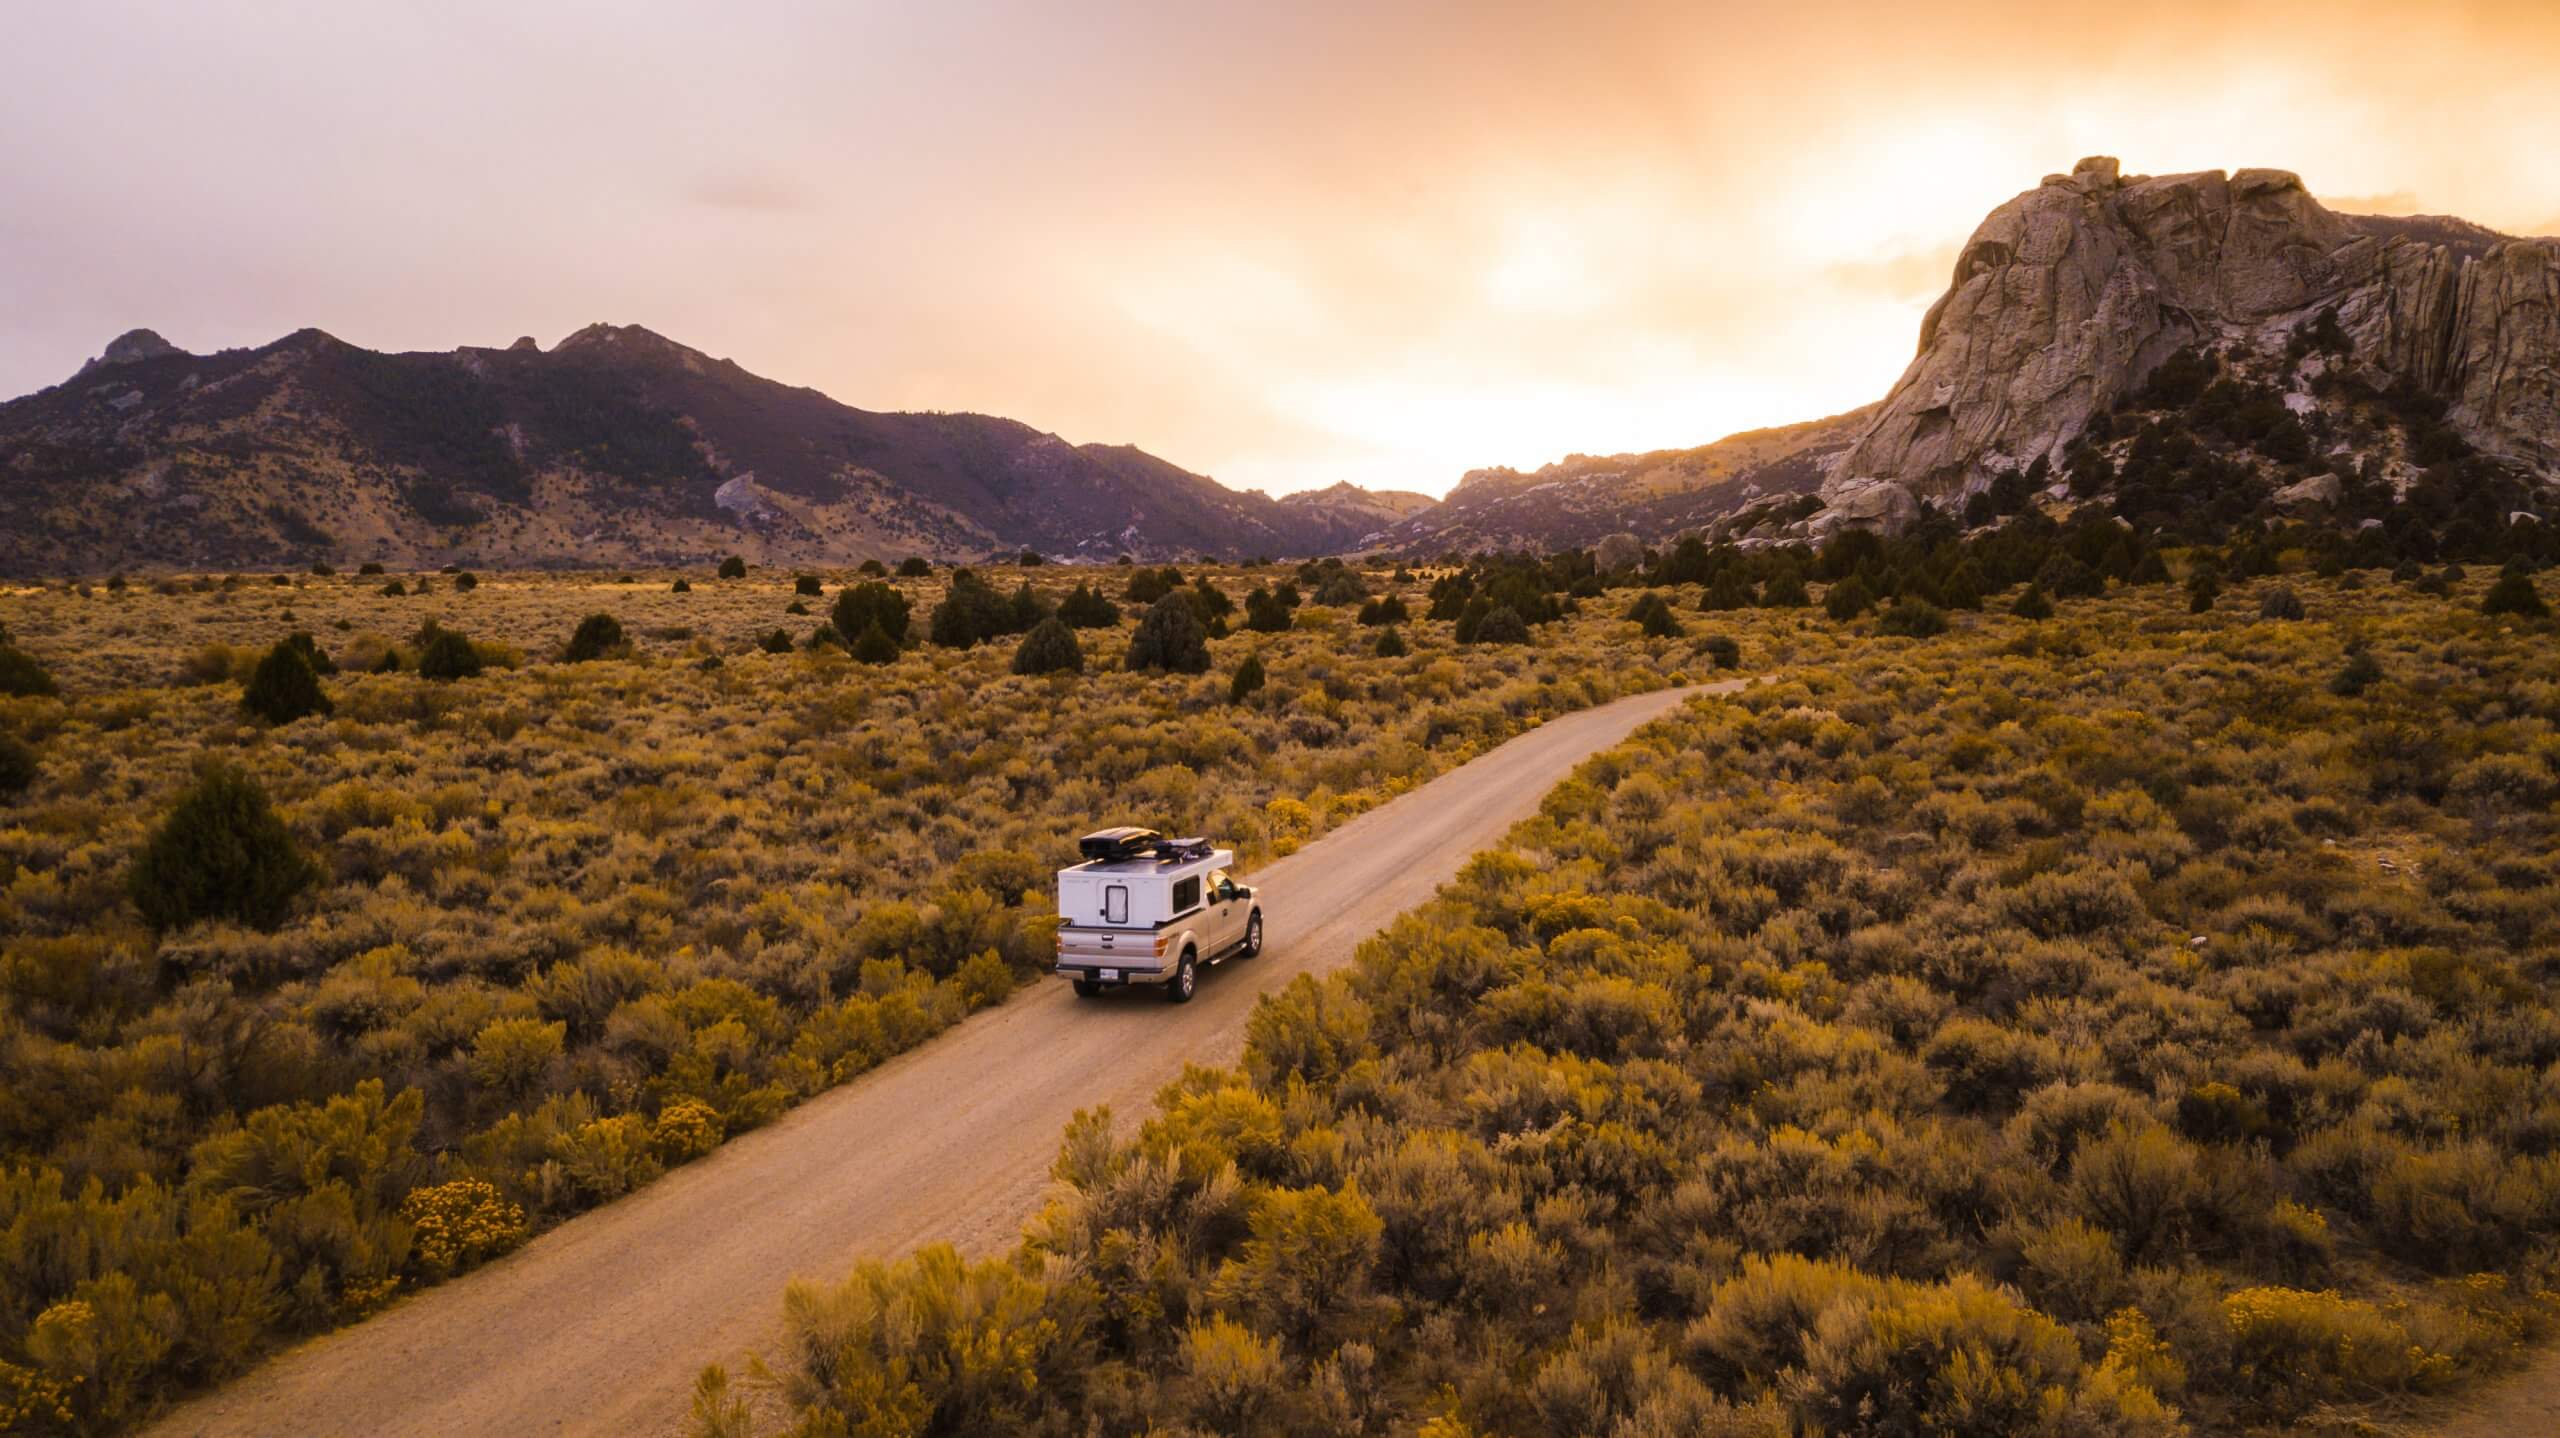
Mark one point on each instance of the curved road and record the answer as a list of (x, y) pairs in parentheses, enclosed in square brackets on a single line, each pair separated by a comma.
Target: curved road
[(600, 1325)]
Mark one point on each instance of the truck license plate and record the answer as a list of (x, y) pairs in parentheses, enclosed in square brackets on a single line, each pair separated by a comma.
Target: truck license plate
[(1108, 974)]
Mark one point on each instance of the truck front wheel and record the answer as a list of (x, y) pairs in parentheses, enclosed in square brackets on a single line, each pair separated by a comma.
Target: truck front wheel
[(1186, 976), (1253, 934)]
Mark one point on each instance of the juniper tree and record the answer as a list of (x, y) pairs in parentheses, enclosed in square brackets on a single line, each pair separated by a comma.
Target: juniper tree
[(284, 687), (222, 853), (599, 636), (1050, 648), (448, 656), (1170, 637), (869, 604), (1248, 679)]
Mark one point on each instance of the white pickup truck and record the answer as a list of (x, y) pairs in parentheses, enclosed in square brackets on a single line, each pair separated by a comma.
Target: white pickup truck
[(1144, 909)]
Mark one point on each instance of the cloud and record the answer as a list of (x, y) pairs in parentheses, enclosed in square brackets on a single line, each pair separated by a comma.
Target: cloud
[(1908, 275), (2398, 202), (747, 193)]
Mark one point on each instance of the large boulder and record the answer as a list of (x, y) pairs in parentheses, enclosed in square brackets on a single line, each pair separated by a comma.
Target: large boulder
[(1883, 505), (1617, 553), (2318, 489), (2066, 297)]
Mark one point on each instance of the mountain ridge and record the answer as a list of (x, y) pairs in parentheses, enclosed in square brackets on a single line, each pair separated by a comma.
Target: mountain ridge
[(616, 446)]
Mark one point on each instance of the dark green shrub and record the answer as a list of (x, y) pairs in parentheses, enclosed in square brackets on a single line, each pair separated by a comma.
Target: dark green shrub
[(1500, 625), (808, 585), (1170, 637), (779, 642), (1389, 610), (1264, 612), (18, 766), (312, 654), (1341, 587), (2280, 603), (872, 603), (914, 567), (681, 586), (733, 567), (1784, 590), (1848, 598), (448, 656), (2031, 604), (1652, 613), (21, 676), (2362, 671), (874, 646), (466, 581), (1085, 608), (2202, 591), (1722, 651), (2514, 594), (222, 853), (1050, 648), (599, 636), (284, 687), (370, 566), (1912, 618), (971, 612), (1390, 644), (1248, 679), (1025, 610)]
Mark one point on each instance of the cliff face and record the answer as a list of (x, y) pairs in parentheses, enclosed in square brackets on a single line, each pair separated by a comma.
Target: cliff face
[(2067, 296)]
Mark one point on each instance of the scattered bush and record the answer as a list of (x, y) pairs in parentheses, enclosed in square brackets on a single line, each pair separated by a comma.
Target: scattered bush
[(21, 676), (222, 853), (1050, 648), (1170, 637), (869, 605), (284, 687), (2514, 594), (448, 656), (598, 636)]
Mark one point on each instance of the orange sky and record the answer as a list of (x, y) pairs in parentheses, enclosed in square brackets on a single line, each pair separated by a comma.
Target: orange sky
[(1281, 244)]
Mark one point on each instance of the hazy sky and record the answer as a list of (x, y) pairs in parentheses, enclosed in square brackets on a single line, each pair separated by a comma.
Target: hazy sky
[(1285, 244)]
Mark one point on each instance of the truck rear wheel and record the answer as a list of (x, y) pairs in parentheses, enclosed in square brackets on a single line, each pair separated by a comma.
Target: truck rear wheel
[(1088, 989), (1186, 976)]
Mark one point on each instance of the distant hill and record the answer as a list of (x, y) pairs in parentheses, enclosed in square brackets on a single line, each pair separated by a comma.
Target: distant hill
[(617, 446), (1581, 498)]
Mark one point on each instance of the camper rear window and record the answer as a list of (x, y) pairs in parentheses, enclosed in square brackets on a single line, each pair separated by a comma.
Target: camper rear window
[(1186, 894), (1115, 903)]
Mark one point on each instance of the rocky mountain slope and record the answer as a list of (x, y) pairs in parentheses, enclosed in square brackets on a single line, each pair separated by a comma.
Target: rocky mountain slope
[(617, 446), (1581, 498), (2068, 298), (2319, 350)]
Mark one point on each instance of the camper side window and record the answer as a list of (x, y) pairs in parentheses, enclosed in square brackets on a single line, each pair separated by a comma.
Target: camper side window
[(1186, 894), (1115, 903)]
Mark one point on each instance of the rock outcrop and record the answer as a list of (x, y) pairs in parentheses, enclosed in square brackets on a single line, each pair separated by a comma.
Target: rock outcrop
[(2066, 298), (130, 346)]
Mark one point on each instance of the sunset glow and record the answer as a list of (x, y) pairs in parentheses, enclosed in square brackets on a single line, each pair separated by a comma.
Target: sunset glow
[(1285, 246)]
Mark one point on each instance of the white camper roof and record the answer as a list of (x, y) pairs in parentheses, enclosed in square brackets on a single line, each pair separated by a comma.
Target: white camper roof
[(1151, 868)]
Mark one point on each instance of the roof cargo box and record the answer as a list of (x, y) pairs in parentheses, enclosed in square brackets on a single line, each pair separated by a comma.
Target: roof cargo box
[(1112, 846)]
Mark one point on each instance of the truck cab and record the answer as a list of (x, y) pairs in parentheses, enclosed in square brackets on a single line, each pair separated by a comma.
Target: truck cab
[(1144, 909)]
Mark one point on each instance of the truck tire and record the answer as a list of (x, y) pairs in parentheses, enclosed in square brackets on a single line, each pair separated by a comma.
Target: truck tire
[(1186, 977), (1253, 934), (1088, 989)]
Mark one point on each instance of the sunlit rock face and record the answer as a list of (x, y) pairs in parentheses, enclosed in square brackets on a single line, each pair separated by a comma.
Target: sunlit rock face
[(2067, 296)]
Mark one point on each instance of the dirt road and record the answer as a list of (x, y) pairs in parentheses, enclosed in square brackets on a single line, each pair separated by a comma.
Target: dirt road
[(600, 1325)]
